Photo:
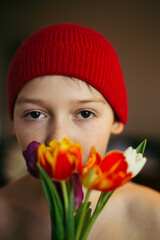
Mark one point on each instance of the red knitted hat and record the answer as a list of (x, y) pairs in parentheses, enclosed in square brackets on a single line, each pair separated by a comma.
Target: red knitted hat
[(69, 50)]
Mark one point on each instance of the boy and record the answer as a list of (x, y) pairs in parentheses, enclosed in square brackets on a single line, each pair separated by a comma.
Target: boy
[(66, 81)]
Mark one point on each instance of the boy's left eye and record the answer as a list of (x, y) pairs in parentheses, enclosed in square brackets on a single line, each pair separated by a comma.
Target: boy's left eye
[(85, 114), (35, 115)]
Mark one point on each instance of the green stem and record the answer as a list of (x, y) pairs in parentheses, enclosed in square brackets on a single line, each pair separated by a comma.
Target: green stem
[(100, 205), (65, 197), (80, 224)]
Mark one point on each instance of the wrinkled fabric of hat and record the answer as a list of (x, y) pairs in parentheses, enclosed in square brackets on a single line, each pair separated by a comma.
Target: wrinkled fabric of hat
[(70, 50)]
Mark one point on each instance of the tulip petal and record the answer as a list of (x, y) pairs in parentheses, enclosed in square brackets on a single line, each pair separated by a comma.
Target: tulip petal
[(94, 160), (107, 174), (135, 161), (63, 167), (60, 159), (113, 162), (30, 156), (45, 159), (78, 192)]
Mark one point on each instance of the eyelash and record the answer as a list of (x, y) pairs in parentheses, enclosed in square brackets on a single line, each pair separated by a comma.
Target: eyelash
[(79, 115), (28, 115), (91, 114)]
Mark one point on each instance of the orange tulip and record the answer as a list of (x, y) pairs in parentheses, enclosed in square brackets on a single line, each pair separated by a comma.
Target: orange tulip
[(111, 172), (60, 159)]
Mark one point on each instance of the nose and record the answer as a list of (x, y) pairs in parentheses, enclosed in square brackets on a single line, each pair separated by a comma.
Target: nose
[(58, 129)]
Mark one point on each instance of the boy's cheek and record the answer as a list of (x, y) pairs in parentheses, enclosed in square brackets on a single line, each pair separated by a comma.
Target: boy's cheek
[(25, 137), (99, 143)]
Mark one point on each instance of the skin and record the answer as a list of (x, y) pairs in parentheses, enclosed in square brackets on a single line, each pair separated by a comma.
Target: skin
[(53, 107), (62, 107)]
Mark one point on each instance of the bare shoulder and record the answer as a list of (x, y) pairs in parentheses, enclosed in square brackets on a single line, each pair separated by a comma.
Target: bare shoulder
[(139, 207), (142, 211), (7, 213), (132, 191), (142, 198), (12, 210), (132, 212), (20, 215)]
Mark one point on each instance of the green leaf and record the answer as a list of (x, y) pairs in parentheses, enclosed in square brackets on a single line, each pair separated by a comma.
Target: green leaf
[(55, 205), (68, 186), (65, 197), (100, 205), (86, 221), (70, 225), (78, 213), (141, 147), (50, 202), (102, 200), (80, 224), (86, 217)]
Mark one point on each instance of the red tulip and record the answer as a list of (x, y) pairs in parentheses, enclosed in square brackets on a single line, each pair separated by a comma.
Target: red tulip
[(111, 172), (60, 159)]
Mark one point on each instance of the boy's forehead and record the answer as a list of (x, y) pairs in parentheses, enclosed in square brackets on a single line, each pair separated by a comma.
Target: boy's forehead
[(58, 84)]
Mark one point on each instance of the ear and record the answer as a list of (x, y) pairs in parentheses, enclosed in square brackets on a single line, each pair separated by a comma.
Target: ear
[(117, 128), (13, 131)]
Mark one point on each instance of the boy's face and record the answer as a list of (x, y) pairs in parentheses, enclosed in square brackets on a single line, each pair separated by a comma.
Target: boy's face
[(53, 107)]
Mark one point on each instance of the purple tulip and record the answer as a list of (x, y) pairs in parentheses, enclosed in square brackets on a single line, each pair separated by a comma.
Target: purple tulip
[(30, 156), (78, 192)]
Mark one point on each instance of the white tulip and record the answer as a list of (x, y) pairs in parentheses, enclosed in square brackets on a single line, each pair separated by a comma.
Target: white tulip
[(135, 161)]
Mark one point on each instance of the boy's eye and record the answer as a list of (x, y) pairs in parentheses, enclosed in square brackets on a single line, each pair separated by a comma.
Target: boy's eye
[(85, 114), (35, 115)]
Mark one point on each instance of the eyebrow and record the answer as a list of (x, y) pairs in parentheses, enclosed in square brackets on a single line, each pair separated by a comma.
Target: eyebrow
[(22, 100), (98, 100)]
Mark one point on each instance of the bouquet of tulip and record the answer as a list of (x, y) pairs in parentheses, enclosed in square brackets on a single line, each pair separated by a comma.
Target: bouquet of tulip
[(59, 165)]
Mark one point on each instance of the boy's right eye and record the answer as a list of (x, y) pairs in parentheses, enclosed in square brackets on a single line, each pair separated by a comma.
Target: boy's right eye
[(34, 115), (85, 114)]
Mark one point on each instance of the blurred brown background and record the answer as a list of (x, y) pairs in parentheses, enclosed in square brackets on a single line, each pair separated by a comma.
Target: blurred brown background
[(133, 28)]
